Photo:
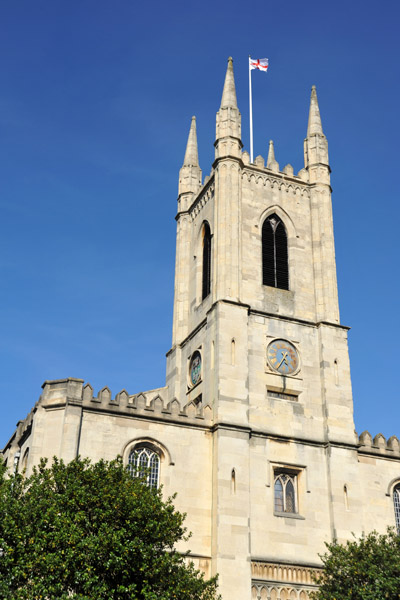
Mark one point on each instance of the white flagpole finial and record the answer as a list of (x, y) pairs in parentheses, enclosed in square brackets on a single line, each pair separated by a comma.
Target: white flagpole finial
[(260, 64)]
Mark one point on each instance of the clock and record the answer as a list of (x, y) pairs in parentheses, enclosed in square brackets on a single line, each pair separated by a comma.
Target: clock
[(195, 368), (283, 357)]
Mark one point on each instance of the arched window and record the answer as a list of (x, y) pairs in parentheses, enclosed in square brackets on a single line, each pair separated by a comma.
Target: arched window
[(275, 253), (24, 463), (145, 462), (206, 284), (285, 493), (396, 502)]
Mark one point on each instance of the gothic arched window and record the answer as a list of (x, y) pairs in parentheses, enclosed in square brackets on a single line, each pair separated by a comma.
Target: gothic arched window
[(396, 502), (145, 462), (275, 253), (206, 282), (24, 463), (285, 493)]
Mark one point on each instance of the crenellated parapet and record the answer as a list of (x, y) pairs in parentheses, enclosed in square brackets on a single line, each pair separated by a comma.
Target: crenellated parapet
[(22, 431), (144, 405), (150, 405), (378, 445), (272, 169)]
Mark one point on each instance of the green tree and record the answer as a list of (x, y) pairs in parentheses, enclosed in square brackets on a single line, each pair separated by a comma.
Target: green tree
[(364, 569), (81, 531)]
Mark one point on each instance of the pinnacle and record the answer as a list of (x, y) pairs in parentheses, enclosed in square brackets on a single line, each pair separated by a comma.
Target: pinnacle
[(271, 155), (314, 118), (191, 155), (229, 92)]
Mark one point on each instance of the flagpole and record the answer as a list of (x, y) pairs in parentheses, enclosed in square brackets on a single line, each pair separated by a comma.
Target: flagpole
[(251, 115)]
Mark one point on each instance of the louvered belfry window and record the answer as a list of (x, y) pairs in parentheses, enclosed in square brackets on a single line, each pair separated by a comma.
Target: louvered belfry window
[(206, 285), (275, 253)]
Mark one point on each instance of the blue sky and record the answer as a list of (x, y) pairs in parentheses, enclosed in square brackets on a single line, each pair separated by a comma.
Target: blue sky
[(95, 105)]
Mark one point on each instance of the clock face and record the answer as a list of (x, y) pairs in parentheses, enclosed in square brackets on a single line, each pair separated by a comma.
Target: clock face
[(195, 368), (283, 357)]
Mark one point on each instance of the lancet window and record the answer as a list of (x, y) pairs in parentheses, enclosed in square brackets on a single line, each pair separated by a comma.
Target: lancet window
[(25, 460), (285, 500), (396, 502), (145, 462), (206, 283), (275, 269)]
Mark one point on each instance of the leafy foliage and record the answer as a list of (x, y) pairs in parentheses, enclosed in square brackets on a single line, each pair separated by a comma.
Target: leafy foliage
[(364, 569), (91, 531)]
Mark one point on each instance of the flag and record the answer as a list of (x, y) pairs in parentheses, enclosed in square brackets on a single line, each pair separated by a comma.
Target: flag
[(258, 63)]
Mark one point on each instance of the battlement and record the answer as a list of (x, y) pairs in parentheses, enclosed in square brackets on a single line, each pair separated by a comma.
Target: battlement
[(272, 166), (378, 445), (149, 405)]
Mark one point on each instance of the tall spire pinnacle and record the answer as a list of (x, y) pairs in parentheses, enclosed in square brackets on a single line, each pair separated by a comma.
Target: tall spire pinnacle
[(316, 159), (229, 91), (190, 173), (191, 155), (314, 118), (228, 126)]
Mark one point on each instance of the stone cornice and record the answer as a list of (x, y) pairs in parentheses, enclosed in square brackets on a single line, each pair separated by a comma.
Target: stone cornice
[(282, 317)]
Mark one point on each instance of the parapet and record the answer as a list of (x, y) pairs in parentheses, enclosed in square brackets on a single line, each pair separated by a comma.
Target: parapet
[(149, 405), (286, 172), (22, 431), (378, 444)]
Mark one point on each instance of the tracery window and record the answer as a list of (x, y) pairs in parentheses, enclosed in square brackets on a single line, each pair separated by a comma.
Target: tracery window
[(396, 502), (145, 462), (206, 283), (285, 493), (275, 269)]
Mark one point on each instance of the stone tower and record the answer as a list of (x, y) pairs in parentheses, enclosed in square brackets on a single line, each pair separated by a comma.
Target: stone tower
[(233, 340)]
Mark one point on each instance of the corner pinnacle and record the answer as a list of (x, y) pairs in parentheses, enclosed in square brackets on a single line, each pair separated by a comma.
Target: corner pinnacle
[(229, 92), (314, 117), (271, 161), (191, 155)]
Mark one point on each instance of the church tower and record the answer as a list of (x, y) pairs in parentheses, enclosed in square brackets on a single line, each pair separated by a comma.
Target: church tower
[(257, 336)]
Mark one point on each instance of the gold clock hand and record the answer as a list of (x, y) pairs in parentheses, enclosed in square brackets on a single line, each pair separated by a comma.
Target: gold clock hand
[(283, 359)]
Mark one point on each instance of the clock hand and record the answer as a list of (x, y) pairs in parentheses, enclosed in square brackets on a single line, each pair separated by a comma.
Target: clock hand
[(283, 359)]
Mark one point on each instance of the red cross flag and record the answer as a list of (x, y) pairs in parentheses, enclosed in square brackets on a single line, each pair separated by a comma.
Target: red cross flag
[(258, 63)]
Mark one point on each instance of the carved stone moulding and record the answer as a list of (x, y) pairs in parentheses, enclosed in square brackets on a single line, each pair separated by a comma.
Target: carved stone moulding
[(274, 591), (277, 581)]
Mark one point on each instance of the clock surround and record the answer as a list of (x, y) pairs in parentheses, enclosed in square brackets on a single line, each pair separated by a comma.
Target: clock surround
[(195, 368), (283, 357)]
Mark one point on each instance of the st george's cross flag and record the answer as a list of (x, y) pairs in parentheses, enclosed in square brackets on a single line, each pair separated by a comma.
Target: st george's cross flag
[(258, 63)]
